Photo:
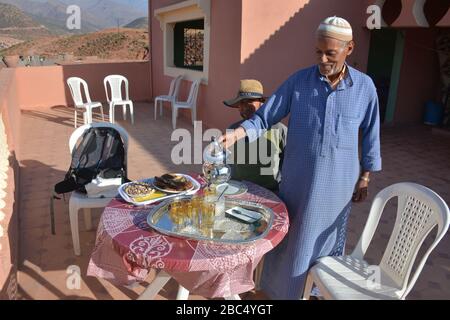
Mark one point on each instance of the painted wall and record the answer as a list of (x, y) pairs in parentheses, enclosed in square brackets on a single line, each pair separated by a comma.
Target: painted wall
[(420, 77), (43, 87), (258, 39), (9, 106), (400, 13), (278, 40), (224, 69), (40, 87), (9, 177)]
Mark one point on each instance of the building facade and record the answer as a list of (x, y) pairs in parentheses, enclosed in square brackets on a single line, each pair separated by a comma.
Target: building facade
[(269, 40)]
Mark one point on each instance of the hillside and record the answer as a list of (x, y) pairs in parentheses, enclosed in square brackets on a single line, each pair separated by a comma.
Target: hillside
[(6, 42), (16, 25), (140, 23), (128, 44), (12, 17)]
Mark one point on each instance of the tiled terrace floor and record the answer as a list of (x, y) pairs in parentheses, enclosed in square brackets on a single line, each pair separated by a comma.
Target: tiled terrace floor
[(412, 154)]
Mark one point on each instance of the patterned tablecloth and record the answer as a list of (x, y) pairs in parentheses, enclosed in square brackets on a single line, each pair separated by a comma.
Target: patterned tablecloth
[(127, 248)]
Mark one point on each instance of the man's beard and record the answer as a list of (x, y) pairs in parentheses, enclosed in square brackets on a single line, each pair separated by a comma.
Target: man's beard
[(332, 71)]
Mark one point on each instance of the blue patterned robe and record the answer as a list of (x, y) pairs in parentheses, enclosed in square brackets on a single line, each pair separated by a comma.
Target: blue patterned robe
[(321, 167)]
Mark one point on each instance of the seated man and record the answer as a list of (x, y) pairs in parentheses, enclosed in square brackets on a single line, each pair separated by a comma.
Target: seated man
[(260, 161)]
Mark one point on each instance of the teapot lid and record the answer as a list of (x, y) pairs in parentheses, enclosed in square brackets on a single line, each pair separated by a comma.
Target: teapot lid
[(215, 153)]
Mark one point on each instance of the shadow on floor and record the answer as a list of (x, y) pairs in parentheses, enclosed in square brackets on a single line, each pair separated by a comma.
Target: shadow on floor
[(42, 253)]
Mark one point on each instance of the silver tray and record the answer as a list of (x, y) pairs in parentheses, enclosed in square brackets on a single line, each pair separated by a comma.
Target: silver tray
[(226, 230)]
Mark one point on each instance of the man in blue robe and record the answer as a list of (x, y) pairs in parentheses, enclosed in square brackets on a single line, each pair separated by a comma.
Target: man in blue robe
[(329, 104)]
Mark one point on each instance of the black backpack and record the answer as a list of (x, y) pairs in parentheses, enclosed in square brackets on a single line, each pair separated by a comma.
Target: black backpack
[(101, 153)]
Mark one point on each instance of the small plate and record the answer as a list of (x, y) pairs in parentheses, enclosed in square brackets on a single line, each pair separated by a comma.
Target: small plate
[(235, 188), (177, 192), (128, 199)]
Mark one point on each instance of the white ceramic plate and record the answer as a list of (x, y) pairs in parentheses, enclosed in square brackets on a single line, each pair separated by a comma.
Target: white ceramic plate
[(123, 194), (235, 188)]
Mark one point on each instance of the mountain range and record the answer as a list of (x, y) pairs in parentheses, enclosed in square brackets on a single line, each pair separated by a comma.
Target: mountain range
[(95, 14), (38, 27), (140, 23)]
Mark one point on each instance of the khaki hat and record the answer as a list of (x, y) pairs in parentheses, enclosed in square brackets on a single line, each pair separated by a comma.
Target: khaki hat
[(250, 89)]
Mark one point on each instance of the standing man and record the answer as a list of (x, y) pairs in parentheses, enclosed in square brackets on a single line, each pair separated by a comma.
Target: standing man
[(328, 104), (259, 161)]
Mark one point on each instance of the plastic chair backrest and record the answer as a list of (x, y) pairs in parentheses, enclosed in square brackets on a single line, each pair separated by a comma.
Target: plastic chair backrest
[(115, 84), (175, 86), (419, 211), (176, 90), (193, 93), (75, 85)]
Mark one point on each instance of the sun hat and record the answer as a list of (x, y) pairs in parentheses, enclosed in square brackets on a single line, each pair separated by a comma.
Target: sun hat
[(250, 89)]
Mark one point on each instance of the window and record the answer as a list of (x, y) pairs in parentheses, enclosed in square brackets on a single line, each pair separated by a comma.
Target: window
[(186, 38), (189, 38)]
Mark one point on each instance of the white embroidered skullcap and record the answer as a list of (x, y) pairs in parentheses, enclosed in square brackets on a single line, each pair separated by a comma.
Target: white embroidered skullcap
[(337, 28)]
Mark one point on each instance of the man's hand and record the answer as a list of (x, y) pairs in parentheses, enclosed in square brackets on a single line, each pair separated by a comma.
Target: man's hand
[(230, 138), (362, 190)]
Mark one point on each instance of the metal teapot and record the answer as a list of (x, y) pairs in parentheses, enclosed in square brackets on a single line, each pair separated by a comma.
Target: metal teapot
[(215, 168)]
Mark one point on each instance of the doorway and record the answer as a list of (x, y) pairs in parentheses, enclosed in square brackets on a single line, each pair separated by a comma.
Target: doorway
[(385, 59)]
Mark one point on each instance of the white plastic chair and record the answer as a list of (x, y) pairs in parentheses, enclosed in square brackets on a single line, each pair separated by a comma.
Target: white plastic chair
[(82, 201), (114, 82), (171, 97), (350, 277), (75, 85), (191, 103)]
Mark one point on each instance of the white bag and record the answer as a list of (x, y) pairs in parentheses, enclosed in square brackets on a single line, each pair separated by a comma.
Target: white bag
[(103, 188)]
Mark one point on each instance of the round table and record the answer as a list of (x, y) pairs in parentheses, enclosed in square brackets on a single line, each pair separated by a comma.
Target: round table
[(127, 248)]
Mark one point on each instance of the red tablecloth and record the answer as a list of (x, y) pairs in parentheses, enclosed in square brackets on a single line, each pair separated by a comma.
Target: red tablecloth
[(127, 248)]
